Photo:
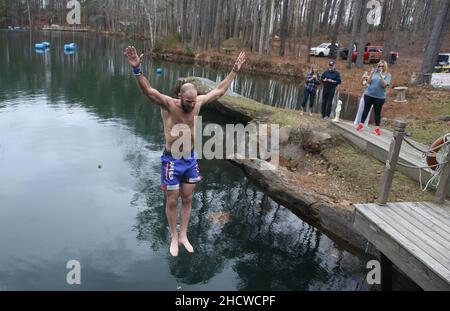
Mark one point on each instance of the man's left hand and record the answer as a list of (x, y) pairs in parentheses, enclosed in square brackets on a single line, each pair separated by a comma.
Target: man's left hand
[(239, 62)]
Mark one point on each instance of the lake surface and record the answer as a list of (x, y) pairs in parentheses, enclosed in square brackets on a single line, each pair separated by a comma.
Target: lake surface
[(79, 180)]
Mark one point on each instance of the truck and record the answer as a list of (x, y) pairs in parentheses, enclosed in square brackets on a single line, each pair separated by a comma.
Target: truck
[(443, 63)]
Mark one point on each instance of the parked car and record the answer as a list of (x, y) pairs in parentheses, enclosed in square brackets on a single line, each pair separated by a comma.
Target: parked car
[(443, 63), (372, 54), (323, 50), (375, 53)]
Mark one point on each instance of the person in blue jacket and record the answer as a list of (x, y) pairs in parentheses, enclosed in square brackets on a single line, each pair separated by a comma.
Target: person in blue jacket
[(331, 78), (375, 94)]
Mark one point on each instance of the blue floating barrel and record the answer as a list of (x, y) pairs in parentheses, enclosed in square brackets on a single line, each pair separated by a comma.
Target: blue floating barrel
[(40, 46), (47, 44), (70, 47), (159, 71)]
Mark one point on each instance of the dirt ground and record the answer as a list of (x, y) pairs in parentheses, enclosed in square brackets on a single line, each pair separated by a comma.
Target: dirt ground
[(346, 175)]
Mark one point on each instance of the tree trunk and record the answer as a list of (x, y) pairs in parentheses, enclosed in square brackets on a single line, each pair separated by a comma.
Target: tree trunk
[(195, 24), (29, 14), (323, 25), (334, 37), (267, 47), (355, 23), (284, 25), (184, 31), (362, 38), (218, 22), (255, 28), (312, 22), (262, 35), (394, 23)]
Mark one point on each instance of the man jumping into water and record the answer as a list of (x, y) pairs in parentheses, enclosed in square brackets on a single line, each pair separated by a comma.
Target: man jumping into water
[(179, 176)]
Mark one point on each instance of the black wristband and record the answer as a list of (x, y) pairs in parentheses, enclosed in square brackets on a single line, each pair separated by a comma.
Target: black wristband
[(137, 71)]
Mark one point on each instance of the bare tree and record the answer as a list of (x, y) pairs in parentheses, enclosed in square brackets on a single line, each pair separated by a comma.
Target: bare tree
[(394, 23), (362, 38), (335, 33), (312, 17), (355, 23), (284, 28)]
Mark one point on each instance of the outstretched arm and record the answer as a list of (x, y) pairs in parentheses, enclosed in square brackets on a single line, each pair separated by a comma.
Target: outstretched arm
[(223, 86), (135, 61)]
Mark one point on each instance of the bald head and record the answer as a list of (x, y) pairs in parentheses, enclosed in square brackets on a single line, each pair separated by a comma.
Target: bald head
[(188, 97), (188, 88)]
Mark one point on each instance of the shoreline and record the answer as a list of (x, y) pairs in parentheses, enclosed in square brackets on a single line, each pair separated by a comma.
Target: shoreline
[(259, 66)]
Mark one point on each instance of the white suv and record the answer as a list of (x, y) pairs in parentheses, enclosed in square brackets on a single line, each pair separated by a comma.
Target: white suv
[(323, 50)]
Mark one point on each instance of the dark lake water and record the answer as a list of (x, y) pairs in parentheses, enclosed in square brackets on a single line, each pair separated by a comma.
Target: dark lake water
[(79, 180)]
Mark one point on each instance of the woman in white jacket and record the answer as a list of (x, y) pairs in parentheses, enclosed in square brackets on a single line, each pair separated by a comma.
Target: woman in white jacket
[(364, 80)]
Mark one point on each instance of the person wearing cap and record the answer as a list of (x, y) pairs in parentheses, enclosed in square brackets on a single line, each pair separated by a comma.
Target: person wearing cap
[(331, 78)]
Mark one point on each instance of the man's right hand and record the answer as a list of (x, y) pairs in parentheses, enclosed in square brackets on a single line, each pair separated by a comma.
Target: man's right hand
[(133, 58)]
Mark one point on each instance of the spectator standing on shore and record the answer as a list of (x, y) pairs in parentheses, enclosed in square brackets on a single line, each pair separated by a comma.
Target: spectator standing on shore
[(331, 78), (361, 106), (313, 80), (375, 94)]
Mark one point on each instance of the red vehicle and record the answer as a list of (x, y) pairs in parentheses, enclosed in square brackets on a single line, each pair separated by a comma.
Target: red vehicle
[(374, 53)]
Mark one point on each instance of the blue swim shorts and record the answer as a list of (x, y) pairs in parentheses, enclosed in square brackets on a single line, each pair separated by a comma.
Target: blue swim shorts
[(175, 172)]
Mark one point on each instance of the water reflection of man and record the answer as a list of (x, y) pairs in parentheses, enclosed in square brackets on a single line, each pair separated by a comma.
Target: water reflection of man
[(179, 175)]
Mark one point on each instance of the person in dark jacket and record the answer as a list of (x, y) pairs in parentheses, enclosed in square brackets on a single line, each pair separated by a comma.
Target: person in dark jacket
[(312, 82), (331, 78)]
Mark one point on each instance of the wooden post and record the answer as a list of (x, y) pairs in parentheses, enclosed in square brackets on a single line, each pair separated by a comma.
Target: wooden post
[(392, 161), (442, 190)]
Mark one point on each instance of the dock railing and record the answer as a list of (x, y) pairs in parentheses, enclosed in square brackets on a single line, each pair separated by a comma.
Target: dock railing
[(443, 168)]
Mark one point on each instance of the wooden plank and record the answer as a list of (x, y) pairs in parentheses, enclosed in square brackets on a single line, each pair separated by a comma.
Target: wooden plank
[(412, 248), (417, 209), (419, 237), (421, 223), (437, 217), (420, 273), (439, 210)]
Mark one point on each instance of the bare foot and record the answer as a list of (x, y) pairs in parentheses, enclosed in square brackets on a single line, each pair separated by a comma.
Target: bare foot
[(184, 241), (174, 247)]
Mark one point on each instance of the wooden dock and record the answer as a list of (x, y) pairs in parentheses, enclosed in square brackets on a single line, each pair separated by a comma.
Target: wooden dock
[(378, 147), (413, 236)]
